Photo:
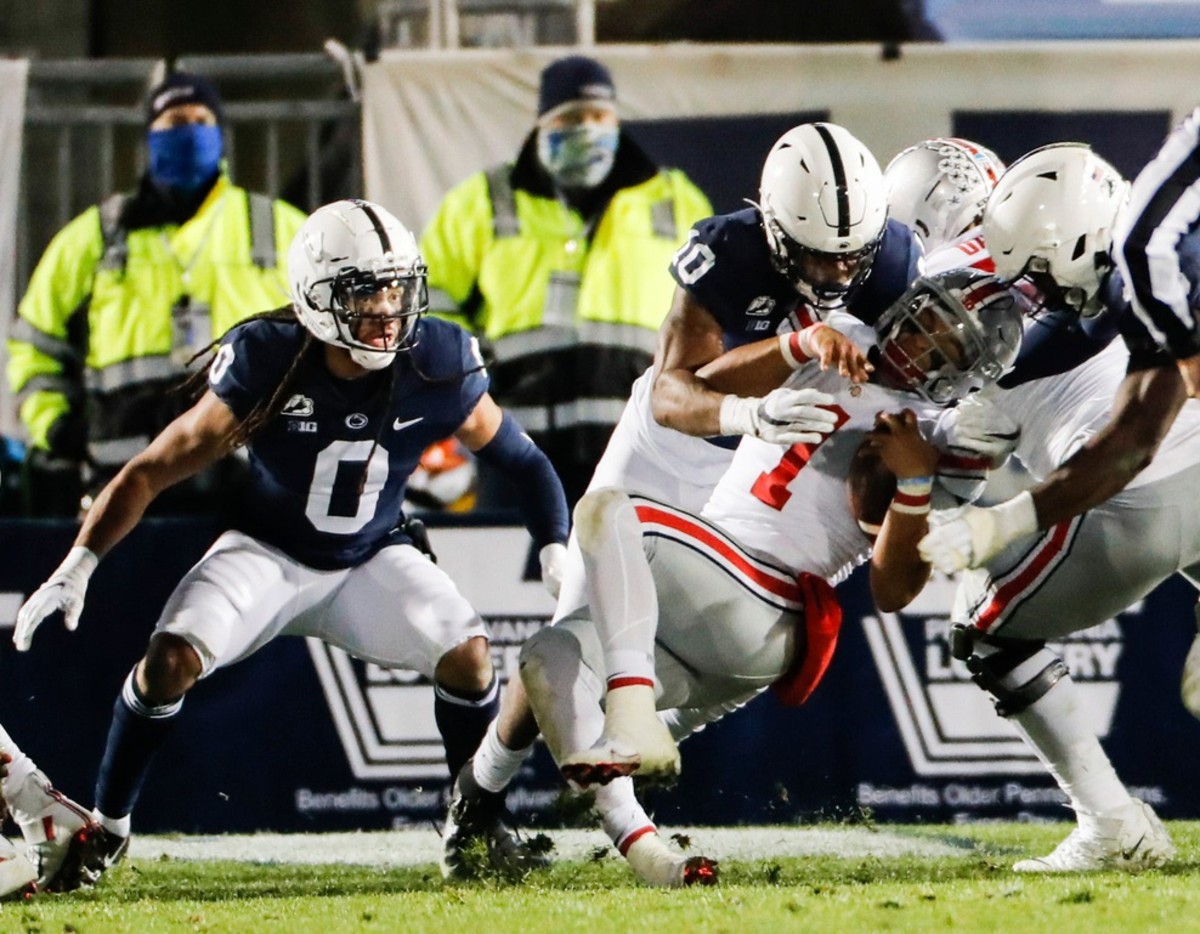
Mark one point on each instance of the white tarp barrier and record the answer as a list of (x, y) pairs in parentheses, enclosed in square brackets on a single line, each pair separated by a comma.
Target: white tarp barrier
[(13, 75), (431, 118)]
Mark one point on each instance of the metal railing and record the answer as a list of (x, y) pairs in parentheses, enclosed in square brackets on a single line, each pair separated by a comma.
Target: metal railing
[(452, 24), (291, 130)]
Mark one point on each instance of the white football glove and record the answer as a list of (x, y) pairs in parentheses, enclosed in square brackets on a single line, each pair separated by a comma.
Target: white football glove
[(554, 562), (982, 428), (782, 416), (971, 536), (64, 590)]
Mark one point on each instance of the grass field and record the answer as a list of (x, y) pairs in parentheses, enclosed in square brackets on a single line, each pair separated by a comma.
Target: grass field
[(828, 879)]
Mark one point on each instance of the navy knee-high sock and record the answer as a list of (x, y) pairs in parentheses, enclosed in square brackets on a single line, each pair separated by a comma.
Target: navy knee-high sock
[(138, 729), (463, 719)]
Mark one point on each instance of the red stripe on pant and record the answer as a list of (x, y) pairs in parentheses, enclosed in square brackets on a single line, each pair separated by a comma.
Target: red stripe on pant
[(651, 515), (1007, 592)]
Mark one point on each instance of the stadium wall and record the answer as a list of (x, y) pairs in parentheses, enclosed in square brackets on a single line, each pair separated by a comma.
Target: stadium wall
[(431, 118)]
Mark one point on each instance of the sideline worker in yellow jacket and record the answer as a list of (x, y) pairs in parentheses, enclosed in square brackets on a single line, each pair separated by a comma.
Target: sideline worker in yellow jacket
[(559, 262), (129, 290)]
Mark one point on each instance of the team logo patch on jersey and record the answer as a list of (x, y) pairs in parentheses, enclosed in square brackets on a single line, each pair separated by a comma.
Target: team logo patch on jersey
[(948, 724), (307, 428), (356, 420), (299, 406), (761, 307)]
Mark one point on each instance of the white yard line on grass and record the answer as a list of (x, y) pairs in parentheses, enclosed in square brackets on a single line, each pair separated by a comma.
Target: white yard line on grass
[(420, 847)]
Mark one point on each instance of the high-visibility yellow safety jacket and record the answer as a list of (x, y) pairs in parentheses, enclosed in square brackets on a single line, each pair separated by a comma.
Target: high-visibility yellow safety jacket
[(111, 315), (571, 314)]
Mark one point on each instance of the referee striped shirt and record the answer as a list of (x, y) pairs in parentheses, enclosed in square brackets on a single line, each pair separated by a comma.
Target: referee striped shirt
[(1156, 242)]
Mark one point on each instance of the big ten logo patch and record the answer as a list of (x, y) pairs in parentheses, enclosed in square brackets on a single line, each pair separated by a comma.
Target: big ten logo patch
[(948, 724), (384, 716)]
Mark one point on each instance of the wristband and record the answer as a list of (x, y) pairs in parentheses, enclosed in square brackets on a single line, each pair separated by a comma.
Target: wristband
[(796, 346), (913, 495)]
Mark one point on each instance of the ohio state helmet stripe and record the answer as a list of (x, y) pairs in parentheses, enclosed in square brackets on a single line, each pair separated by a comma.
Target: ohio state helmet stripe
[(384, 242), (839, 179)]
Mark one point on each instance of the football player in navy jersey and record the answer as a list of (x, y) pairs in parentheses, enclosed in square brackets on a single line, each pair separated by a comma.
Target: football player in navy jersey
[(334, 400), (819, 239)]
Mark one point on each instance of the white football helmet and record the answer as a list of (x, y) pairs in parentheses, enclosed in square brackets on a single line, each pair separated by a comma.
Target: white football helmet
[(1049, 225), (950, 334), (824, 209), (939, 187), (358, 280)]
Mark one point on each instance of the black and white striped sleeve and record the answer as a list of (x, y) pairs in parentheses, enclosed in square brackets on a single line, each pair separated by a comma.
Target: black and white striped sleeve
[(1164, 206)]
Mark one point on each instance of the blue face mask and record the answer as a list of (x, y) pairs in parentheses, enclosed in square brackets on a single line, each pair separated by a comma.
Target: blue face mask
[(185, 157), (579, 156)]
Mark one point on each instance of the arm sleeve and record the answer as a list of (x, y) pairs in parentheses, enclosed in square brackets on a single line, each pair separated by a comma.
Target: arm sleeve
[(542, 501), (45, 367)]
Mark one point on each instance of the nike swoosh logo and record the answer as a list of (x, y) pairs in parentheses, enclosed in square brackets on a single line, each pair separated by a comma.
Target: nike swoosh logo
[(397, 424), (1128, 854)]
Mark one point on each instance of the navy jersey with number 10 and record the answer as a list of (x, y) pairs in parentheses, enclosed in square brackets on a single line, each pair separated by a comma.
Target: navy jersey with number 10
[(307, 494)]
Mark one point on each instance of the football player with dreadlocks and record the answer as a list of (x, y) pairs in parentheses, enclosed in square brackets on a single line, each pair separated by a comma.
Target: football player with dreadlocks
[(334, 400)]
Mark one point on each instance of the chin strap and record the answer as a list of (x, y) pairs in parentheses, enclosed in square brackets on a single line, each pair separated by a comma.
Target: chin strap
[(372, 359)]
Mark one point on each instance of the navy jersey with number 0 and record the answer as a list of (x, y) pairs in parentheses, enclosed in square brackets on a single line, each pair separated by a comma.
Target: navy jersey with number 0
[(307, 495), (726, 266)]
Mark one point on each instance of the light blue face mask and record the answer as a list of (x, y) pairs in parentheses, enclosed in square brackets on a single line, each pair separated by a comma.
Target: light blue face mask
[(578, 156), (185, 157)]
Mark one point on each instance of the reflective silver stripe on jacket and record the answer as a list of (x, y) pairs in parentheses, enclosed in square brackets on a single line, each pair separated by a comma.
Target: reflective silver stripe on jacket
[(130, 372), (262, 230), (543, 340), (113, 233), (504, 202), (57, 348), (116, 451), (567, 414), (46, 382), (662, 219)]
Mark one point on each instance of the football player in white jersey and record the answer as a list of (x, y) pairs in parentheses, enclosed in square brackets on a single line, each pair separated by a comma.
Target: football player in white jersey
[(730, 620), (47, 819), (1100, 483), (741, 277)]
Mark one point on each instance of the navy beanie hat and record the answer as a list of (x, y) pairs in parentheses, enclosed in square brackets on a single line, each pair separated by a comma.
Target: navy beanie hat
[(574, 78), (182, 88)]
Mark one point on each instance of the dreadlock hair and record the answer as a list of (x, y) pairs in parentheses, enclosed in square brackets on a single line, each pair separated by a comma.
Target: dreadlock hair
[(196, 382)]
